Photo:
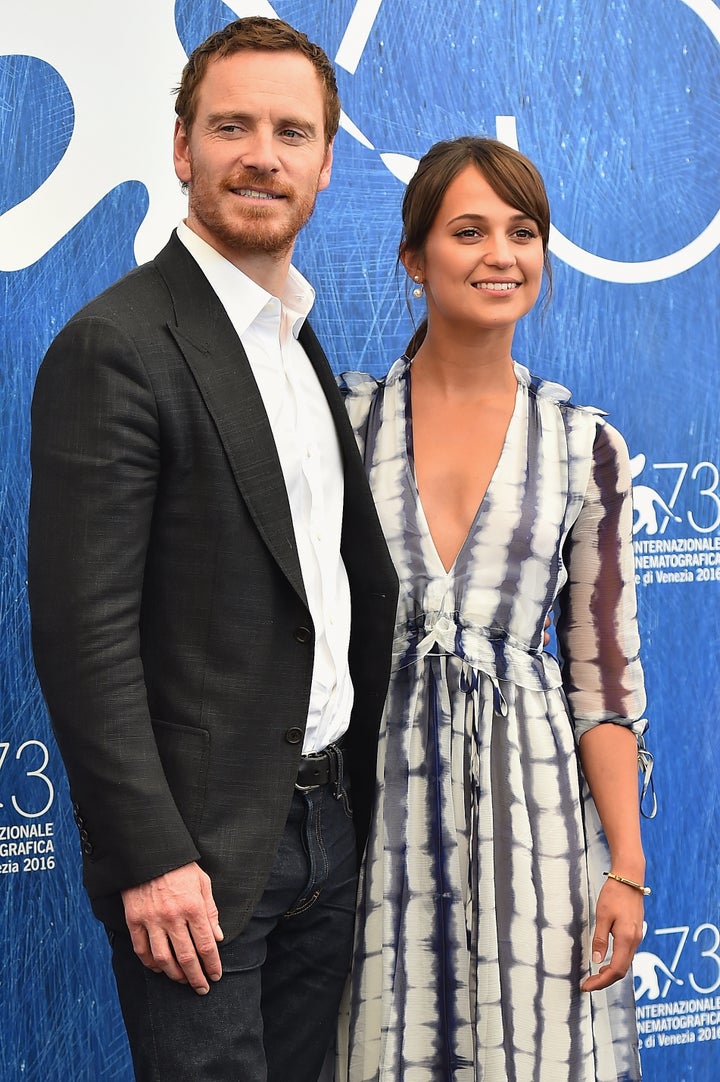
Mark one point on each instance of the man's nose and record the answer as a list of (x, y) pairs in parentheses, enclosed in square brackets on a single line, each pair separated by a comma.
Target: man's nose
[(260, 151)]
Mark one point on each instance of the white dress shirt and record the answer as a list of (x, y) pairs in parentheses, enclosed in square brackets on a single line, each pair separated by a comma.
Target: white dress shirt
[(310, 458)]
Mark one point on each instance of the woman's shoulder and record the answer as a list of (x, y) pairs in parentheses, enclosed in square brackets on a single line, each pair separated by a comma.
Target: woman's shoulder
[(357, 384), (548, 390), (588, 423), (363, 385)]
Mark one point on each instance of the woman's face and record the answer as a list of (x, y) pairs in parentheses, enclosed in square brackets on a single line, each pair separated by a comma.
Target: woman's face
[(482, 265)]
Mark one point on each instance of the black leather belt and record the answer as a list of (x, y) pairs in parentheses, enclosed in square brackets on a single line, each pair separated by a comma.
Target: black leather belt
[(320, 768)]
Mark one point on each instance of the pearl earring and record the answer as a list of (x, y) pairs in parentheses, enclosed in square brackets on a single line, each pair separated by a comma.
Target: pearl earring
[(419, 289)]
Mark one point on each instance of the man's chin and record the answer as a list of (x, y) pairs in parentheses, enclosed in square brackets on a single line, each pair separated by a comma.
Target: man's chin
[(259, 232), (263, 240), (256, 229)]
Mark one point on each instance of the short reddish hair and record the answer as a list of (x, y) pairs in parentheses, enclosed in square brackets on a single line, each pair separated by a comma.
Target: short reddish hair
[(258, 34)]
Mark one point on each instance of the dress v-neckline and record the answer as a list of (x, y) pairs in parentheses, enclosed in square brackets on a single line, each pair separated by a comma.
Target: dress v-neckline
[(448, 572)]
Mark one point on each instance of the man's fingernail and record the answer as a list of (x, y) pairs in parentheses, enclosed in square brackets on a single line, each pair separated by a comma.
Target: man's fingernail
[(597, 957)]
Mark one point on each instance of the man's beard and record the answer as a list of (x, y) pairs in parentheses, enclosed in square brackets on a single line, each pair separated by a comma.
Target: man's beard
[(253, 229)]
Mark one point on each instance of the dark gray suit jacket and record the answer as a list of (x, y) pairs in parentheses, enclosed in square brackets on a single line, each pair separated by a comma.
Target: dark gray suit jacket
[(171, 632)]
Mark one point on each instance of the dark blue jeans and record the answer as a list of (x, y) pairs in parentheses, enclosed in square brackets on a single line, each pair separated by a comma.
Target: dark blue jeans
[(272, 1015)]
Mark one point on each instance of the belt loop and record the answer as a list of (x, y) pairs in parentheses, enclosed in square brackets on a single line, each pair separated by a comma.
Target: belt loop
[(339, 790), (336, 756)]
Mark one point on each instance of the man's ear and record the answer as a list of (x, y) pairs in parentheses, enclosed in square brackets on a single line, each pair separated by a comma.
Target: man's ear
[(181, 153), (325, 172)]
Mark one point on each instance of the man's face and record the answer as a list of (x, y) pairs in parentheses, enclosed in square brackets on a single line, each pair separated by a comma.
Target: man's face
[(255, 157)]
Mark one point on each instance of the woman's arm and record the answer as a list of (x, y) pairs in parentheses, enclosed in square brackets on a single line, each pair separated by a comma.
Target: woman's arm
[(602, 675), (608, 754)]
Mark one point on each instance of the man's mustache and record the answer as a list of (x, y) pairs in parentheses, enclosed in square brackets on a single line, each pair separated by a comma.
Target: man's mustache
[(258, 182)]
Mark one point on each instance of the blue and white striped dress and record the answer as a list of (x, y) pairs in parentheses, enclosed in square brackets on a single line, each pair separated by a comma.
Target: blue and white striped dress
[(486, 852)]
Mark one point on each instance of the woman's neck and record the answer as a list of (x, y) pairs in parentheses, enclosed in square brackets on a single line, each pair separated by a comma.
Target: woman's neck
[(481, 367)]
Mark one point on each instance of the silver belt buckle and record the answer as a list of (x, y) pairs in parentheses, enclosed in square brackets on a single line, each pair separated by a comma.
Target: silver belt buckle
[(315, 785)]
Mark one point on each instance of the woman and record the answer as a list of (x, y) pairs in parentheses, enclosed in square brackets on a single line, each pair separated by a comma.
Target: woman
[(483, 900)]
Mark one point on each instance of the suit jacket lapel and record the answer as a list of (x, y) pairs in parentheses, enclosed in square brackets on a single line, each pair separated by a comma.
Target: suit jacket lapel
[(224, 378), (314, 350), (360, 519)]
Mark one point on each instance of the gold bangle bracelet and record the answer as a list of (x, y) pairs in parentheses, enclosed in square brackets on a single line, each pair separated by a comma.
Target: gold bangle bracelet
[(628, 882)]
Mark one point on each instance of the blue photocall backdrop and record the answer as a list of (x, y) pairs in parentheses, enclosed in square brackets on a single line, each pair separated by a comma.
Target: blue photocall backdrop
[(618, 102)]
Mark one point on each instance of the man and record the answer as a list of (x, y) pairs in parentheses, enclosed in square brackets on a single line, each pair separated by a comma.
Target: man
[(205, 558)]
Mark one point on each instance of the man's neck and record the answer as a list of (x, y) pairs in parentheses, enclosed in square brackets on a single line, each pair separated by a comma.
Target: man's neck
[(267, 269)]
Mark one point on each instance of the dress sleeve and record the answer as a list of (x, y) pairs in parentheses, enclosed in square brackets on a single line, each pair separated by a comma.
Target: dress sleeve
[(597, 627)]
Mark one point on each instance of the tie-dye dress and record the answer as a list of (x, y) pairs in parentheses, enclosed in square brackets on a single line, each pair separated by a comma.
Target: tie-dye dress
[(486, 853)]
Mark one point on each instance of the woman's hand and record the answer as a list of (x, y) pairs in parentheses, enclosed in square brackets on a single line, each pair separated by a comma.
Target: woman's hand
[(620, 911)]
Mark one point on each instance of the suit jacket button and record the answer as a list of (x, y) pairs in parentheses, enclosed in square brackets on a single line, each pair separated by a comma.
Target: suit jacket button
[(303, 634), (87, 848), (294, 735)]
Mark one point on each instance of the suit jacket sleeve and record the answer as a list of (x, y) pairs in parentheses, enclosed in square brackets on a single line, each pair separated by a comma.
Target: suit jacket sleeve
[(95, 460)]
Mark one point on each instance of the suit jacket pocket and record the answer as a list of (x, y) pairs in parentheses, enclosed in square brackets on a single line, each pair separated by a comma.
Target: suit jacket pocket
[(185, 755)]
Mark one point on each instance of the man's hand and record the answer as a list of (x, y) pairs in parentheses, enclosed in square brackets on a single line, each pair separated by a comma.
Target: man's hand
[(173, 923)]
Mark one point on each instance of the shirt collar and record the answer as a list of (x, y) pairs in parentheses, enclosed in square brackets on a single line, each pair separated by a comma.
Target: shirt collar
[(241, 297)]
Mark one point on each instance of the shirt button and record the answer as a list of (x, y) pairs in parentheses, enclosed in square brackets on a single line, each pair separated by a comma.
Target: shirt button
[(294, 735), (303, 634)]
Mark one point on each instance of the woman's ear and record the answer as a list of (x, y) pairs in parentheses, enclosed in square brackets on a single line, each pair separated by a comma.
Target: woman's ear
[(412, 263)]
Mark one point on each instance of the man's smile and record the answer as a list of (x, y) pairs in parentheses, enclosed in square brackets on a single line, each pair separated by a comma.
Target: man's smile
[(255, 193)]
